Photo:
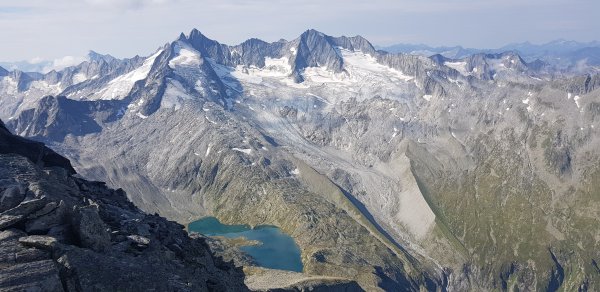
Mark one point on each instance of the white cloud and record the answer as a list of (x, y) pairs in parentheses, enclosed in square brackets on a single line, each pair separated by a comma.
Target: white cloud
[(126, 4), (64, 62), (36, 60)]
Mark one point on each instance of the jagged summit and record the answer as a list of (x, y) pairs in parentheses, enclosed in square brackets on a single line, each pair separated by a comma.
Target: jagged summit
[(208, 47), (97, 57), (311, 39), (311, 49)]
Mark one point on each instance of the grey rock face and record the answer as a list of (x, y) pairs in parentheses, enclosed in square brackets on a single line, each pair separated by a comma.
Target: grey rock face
[(32, 276), (65, 115), (254, 51), (580, 84), (53, 216), (21, 78)]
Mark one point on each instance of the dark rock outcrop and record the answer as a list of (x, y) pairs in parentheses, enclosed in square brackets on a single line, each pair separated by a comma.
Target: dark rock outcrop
[(36, 152), (62, 233)]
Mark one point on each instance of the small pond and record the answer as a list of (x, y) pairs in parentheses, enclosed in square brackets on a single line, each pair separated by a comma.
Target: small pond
[(276, 250)]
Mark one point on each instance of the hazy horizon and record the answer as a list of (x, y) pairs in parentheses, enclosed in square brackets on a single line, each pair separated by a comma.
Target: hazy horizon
[(65, 30)]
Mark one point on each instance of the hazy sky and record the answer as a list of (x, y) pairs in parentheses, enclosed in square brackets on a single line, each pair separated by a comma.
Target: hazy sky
[(49, 29)]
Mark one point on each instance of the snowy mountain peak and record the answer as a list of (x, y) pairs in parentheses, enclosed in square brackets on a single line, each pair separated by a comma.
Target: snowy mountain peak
[(313, 33), (194, 33), (195, 36), (316, 49), (208, 47)]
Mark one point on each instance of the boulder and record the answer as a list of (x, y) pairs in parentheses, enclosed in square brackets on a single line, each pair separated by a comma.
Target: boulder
[(45, 222), (7, 221), (138, 239), (90, 229), (25, 208), (11, 197), (43, 211), (39, 241), (17, 214)]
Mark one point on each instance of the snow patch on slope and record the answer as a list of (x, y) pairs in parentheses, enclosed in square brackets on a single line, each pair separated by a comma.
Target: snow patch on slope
[(186, 56), (576, 99), (120, 87), (245, 151), (274, 67), (79, 77), (357, 62), (174, 95), (8, 85), (461, 67)]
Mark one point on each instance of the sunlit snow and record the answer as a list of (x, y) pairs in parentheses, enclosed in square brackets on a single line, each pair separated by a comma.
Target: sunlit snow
[(461, 67), (245, 151), (120, 87)]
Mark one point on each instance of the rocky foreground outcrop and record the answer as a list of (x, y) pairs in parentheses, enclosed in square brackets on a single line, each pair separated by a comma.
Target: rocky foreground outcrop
[(59, 232)]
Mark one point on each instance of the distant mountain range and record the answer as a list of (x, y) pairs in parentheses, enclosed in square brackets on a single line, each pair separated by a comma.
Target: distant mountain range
[(44, 66), (561, 53)]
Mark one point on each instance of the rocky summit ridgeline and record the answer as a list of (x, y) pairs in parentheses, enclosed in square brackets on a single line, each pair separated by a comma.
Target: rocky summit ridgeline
[(62, 233)]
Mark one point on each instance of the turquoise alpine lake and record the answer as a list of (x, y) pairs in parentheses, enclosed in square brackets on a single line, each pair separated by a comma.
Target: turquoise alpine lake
[(276, 250)]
